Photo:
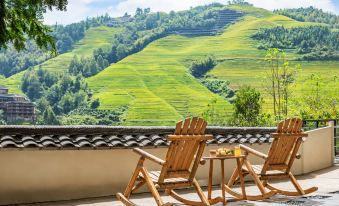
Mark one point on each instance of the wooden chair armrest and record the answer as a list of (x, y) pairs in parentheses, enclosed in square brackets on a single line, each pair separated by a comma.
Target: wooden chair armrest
[(202, 161), (149, 156), (252, 151)]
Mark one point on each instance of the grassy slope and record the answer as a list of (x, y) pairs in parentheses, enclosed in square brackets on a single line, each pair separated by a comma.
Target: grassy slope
[(248, 67), (156, 86), (98, 37)]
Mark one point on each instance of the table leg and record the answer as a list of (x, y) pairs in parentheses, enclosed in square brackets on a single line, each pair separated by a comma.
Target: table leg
[(241, 177), (210, 180), (223, 182)]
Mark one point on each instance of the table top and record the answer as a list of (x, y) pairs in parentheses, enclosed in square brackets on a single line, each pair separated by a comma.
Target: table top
[(212, 157)]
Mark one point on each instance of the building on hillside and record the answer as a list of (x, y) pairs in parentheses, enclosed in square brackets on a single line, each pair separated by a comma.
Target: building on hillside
[(120, 20), (3, 90), (16, 107)]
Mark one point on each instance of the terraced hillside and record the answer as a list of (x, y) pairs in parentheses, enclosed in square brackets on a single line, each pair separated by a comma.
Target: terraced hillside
[(248, 67), (96, 37), (157, 87), (155, 84)]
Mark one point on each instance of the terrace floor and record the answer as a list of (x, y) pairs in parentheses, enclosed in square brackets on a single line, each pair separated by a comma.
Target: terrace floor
[(328, 194)]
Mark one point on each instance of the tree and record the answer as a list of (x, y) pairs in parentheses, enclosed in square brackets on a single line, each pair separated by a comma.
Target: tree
[(49, 117), (199, 68), (95, 104), (279, 77), (22, 19), (42, 104), (247, 107)]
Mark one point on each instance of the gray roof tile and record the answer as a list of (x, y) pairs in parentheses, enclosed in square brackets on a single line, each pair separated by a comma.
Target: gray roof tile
[(77, 137)]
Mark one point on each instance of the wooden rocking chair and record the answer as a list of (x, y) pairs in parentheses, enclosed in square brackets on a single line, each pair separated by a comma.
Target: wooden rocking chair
[(178, 171), (279, 160)]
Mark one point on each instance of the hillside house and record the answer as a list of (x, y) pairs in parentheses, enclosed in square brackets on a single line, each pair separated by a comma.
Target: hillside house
[(16, 107)]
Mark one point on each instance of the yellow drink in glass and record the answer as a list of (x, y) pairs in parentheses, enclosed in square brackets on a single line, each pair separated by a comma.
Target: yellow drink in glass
[(237, 151)]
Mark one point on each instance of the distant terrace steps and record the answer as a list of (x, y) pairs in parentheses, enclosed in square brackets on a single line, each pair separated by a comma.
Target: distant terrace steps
[(225, 18)]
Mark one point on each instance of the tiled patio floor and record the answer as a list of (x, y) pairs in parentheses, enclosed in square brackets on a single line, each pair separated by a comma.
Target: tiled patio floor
[(328, 194)]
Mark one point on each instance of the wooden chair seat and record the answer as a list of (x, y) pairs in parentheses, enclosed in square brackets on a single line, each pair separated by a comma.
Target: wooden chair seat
[(258, 168), (154, 175)]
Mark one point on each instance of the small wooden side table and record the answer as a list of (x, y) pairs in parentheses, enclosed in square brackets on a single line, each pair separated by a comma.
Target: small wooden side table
[(240, 162)]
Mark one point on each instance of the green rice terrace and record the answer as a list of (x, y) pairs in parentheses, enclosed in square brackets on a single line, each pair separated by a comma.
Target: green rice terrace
[(155, 83)]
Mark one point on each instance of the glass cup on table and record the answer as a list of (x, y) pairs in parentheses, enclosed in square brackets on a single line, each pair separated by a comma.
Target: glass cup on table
[(237, 151)]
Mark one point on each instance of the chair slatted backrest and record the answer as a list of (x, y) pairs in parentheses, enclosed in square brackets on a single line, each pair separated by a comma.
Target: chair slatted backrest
[(285, 145), (185, 150)]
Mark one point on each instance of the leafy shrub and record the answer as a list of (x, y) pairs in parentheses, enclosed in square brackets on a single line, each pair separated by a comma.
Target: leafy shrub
[(87, 116), (248, 109), (199, 68), (218, 86)]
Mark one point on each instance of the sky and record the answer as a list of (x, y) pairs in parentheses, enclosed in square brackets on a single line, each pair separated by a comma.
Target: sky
[(78, 10)]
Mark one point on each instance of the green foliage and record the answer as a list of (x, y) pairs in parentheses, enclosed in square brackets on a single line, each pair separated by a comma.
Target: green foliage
[(248, 108), (49, 117), (311, 14), (95, 104), (63, 93), (315, 42), (220, 87), (88, 66), (319, 99), (20, 19), (66, 37), (2, 119), (78, 120), (215, 115), (12, 61), (35, 81), (86, 116), (199, 68), (279, 77)]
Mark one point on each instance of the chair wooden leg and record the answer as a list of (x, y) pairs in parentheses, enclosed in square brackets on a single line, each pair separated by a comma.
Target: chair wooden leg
[(241, 177), (296, 184), (210, 180), (200, 192), (134, 177), (152, 187), (255, 177), (140, 184), (233, 178), (124, 198)]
